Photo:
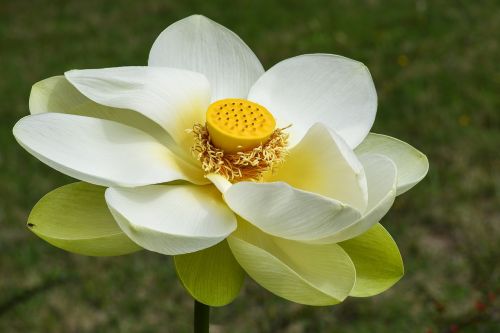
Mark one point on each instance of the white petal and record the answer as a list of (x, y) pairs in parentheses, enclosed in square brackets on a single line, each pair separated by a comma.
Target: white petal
[(199, 44), (303, 273), (382, 179), (322, 163), (56, 94), (411, 164), (172, 219), (284, 211), (173, 98), (307, 89), (219, 181), (101, 152)]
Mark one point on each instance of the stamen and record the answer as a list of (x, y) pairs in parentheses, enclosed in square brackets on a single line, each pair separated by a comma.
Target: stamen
[(243, 165)]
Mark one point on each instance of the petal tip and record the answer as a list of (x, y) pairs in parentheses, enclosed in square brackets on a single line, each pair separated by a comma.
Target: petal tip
[(198, 17), (70, 73), (18, 127)]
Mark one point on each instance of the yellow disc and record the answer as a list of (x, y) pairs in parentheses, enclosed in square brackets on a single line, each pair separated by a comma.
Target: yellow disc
[(237, 124)]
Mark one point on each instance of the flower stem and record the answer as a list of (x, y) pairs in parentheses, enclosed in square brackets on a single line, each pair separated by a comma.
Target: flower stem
[(201, 317)]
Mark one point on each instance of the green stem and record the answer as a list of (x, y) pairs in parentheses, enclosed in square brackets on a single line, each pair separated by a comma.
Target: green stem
[(201, 317)]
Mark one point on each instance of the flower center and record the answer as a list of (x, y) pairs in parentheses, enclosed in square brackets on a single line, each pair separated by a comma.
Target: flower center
[(239, 140), (237, 125)]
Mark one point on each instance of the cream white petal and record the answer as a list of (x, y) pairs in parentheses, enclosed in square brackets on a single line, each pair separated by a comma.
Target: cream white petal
[(56, 94), (220, 182), (323, 163), (173, 98), (171, 219), (284, 211), (199, 44), (331, 89), (303, 273), (411, 164), (381, 174), (101, 152)]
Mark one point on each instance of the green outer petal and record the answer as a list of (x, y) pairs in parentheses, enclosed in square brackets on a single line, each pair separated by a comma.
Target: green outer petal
[(412, 165), (302, 273), (377, 260), (212, 276), (75, 218)]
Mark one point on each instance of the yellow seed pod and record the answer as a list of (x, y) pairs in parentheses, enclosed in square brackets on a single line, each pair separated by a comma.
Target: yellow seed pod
[(237, 124)]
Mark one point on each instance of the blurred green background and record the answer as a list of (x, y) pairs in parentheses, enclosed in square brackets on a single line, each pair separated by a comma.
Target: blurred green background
[(435, 66)]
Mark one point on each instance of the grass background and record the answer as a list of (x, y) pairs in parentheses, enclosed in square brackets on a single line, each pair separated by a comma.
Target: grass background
[(435, 66)]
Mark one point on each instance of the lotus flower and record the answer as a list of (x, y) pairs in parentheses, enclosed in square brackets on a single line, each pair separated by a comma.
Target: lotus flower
[(205, 156)]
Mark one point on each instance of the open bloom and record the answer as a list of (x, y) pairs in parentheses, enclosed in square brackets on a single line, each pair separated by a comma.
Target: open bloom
[(203, 146)]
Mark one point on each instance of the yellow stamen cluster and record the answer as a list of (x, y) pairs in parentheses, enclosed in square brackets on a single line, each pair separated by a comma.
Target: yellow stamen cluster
[(242, 165)]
